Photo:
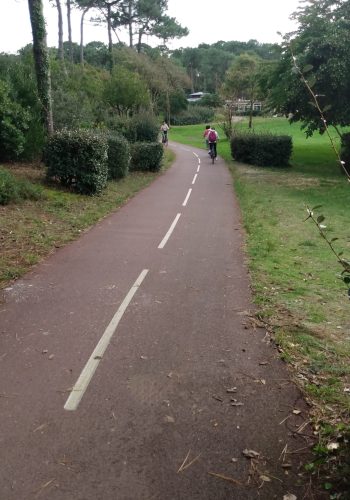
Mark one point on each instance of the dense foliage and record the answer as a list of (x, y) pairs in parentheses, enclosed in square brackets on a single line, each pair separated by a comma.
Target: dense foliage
[(320, 51), (207, 65), (14, 121), (118, 156), (193, 115), (142, 127), (78, 159), (264, 150), (146, 156)]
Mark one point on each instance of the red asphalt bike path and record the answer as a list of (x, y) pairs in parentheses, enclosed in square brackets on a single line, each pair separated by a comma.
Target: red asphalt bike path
[(184, 384)]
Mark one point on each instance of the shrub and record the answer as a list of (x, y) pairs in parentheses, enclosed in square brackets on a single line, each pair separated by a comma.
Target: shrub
[(14, 122), (125, 91), (142, 127), (8, 187), (146, 156), (76, 95), (261, 149), (119, 124), (29, 191), (34, 141), (210, 100), (193, 115), (13, 190), (345, 151), (118, 156), (78, 158)]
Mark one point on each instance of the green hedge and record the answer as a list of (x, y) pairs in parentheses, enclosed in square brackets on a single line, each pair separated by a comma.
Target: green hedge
[(146, 156), (78, 159), (264, 150), (118, 156)]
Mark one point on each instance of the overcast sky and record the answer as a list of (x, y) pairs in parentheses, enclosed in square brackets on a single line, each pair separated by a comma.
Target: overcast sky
[(207, 20)]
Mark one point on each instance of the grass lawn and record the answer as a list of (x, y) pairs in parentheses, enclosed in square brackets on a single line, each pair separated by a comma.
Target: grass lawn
[(295, 277)]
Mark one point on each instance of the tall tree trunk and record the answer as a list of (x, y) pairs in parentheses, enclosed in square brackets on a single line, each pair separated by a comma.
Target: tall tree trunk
[(69, 23), (131, 44), (250, 124), (82, 35), (168, 110), (42, 63), (60, 30), (192, 77), (139, 40), (110, 43)]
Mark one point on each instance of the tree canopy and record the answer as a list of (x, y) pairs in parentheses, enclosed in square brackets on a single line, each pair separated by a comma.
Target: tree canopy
[(320, 51), (207, 64)]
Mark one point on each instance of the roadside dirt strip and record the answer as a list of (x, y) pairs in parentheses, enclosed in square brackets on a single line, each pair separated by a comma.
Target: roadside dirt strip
[(130, 369)]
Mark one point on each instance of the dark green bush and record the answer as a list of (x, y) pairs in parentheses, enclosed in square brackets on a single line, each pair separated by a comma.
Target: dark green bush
[(142, 127), (22, 90), (345, 151), (78, 159), (14, 190), (13, 125), (265, 150), (210, 100), (118, 156), (193, 115), (35, 141), (117, 123), (146, 156)]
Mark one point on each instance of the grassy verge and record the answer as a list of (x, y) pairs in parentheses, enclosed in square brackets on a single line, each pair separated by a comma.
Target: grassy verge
[(295, 277), (31, 229)]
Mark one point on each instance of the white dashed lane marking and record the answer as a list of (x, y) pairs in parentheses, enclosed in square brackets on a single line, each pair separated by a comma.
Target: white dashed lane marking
[(86, 375), (187, 197), (168, 234)]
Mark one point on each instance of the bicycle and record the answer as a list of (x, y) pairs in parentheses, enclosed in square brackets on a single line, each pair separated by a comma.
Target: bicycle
[(164, 138), (212, 152)]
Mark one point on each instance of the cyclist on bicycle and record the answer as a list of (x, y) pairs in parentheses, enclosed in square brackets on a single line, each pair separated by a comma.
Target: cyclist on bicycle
[(213, 138), (164, 129), (205, 135)]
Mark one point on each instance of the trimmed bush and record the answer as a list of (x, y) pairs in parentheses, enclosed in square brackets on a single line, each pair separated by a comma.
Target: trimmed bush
[(264, 150), (118, 156), (146, 156), (78, 159), (142, 127), (345, 151)]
